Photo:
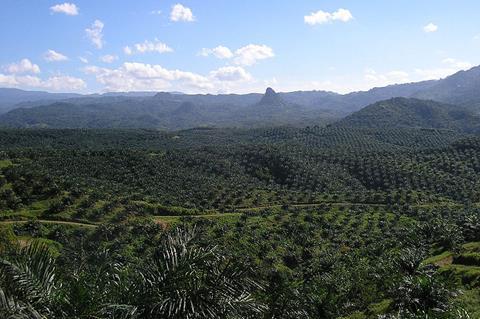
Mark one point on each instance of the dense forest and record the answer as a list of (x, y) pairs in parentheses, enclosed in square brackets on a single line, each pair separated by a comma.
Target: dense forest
[(342, 221)]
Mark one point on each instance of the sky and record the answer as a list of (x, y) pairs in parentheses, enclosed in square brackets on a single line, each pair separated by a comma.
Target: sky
[(227, 46)]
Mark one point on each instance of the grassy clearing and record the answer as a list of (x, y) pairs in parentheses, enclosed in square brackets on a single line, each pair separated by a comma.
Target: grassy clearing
[(43, 221), (171, 220), (440, 260), (465, 266), (468, 276), (5, 163), (472, 247)]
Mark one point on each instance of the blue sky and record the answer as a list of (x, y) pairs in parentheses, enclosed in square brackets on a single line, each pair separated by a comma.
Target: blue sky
[(218, 46)]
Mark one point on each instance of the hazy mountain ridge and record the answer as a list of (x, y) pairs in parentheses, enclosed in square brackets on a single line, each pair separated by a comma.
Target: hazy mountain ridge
[(173, 111), (461, 88), (10, 97), (164, 111)]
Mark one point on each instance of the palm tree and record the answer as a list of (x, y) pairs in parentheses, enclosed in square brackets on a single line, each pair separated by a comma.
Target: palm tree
[(183, 280), (28, 287)]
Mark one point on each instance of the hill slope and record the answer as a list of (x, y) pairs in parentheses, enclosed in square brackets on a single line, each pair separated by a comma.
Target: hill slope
[(403, 112), (461, 88)]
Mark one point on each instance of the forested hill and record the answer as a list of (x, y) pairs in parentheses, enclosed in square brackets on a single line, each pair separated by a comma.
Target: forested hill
[(462, 88), (402, 112), (169, 112), (176, 111)]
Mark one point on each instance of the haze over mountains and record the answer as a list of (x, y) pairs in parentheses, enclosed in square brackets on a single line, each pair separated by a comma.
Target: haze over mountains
[(457, 103)]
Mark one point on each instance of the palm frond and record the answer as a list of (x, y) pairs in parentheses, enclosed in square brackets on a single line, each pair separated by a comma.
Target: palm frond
[(185, 280), (27, 280)]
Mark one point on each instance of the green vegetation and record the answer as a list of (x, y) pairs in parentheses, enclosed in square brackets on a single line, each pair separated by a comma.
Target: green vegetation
[(329, 222), (402, 112)]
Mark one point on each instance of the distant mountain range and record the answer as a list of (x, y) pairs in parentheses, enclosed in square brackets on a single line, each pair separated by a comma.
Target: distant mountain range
[(462, 88), (459, 97), (9, 98), (167, 111)]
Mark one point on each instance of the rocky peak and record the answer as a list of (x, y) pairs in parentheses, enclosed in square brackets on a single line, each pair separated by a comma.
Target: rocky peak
[(271, 98)]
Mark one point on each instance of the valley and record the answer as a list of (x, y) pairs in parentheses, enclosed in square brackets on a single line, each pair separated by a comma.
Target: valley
[(240, 159)]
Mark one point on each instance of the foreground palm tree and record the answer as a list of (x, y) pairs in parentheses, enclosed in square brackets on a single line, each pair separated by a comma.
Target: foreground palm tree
[(28, 288), (181, 280)]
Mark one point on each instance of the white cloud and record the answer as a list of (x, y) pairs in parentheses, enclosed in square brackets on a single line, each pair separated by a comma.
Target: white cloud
[(181, 13), (250, 54), (55, 83), (434, 73), (20, 77), (231, 73), (108, 58), (84, 60), (429, 28), (205, 52), (127, 50), (375, 79), (147, 46), (7, 80), (13, 80), (271, 82), (245, 56), (155, 46), (156, 12), (131, 76), (24, 66), (68, 8), (322, 17), (220, 52), (449, 66), (54, 56), (59, 83), (454, 63), (94, 33)]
